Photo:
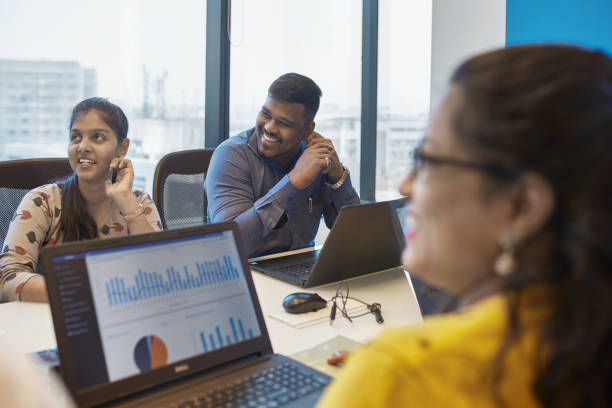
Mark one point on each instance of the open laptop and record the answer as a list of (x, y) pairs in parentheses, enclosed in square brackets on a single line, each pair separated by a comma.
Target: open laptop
[(167, 319), (431, 299), (364, 239)]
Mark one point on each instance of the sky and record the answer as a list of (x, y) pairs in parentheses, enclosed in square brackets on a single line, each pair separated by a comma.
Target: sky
[(322, 39), (319, 38), (116, 37)]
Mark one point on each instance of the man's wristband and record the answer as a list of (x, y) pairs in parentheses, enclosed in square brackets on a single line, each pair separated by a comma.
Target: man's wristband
[(340, 182)]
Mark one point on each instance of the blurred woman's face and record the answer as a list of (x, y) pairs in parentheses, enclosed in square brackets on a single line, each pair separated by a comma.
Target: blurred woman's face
[(454, 230)]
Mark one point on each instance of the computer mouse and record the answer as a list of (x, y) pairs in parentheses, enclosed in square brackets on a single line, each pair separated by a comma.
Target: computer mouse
[(302, 302)]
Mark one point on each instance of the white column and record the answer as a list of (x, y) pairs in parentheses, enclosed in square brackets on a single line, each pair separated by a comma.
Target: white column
[(460, 29)]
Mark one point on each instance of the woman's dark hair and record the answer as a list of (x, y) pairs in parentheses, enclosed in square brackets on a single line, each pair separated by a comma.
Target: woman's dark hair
[(548, 109), (75, 222), (296, 88)]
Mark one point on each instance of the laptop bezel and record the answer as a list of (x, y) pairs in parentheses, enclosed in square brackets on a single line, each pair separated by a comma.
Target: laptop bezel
[(395, 206), (107, 392)]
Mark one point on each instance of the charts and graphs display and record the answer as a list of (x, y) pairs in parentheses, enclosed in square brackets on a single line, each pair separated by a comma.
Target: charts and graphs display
[(150, 352), (164, 302)]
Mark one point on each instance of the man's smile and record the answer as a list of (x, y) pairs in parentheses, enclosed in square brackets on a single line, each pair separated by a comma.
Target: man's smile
[(269, 137)]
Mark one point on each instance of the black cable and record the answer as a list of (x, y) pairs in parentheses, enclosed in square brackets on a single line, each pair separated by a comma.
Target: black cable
[(374, 308)]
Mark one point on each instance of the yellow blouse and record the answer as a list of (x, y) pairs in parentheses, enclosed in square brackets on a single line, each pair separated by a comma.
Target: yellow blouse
[(446, 362)]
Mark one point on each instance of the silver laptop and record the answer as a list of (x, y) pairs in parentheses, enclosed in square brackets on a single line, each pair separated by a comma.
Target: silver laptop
[(365, 238), (167, 319)]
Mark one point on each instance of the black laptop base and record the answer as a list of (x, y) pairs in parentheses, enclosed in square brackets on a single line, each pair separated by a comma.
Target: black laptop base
[(293, 269), (270, 381)]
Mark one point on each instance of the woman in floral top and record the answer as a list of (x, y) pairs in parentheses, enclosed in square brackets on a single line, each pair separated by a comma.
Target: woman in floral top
[(85, 205)]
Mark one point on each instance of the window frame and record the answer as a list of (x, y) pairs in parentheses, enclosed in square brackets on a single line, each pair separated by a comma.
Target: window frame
[(216, 119)]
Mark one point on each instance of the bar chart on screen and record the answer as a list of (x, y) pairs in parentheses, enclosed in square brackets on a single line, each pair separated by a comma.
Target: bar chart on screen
[(142, 285), (224, 334), (163, 339), (136, 293), (162, 304), (139, 283)]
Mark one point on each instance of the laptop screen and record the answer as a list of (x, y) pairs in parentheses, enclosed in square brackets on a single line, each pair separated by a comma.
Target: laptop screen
[(147, 305)]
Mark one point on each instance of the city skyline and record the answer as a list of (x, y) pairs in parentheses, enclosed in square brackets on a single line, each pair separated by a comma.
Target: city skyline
[(163, 92), (36, 112)]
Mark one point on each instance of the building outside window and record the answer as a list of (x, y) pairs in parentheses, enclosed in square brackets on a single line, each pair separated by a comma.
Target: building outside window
[(404, 61), (320, 39), (148, 57)]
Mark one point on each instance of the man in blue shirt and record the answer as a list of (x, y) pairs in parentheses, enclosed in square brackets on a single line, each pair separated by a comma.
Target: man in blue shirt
[(277, 179)]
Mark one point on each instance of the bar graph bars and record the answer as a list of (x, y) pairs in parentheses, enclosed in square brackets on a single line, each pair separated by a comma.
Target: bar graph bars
[(216, 340), (147, 285)]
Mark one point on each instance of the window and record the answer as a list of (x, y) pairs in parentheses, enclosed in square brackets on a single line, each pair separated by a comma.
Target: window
[(404, 44), (320, 39), (145, 56)]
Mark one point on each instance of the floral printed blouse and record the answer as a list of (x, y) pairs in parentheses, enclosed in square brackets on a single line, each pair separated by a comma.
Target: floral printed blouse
[(35, 225)]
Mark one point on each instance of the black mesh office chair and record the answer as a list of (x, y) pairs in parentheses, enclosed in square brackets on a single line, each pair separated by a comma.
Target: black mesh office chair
[(17, 177), (178, 188)]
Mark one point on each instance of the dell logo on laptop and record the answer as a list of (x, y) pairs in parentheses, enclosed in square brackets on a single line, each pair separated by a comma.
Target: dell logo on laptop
[(181, 368)]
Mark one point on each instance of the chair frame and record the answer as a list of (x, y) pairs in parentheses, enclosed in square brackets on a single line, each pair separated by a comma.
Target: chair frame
[(182, 162), (32, 173)]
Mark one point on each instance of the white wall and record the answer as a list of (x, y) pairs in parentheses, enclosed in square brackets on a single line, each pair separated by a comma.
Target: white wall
[(460, 29)]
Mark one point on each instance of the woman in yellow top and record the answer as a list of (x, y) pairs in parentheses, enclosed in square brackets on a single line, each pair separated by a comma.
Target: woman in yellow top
[(511, 209)]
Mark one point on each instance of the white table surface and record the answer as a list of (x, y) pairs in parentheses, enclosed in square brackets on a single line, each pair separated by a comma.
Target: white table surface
[(29, 325), (391, 289)]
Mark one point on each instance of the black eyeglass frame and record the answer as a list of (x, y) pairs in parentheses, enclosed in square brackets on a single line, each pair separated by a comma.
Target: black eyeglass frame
[(420, 158)]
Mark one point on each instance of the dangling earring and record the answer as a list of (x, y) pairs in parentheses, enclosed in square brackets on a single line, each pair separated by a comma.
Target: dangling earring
[(505, 262)]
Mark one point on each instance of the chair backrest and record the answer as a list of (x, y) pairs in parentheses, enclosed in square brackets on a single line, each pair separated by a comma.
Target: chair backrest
[(178, 188), (17, 177)]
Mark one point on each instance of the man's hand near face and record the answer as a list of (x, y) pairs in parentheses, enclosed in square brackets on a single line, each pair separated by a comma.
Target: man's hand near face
[(259, 179), (335, 170), (313, 161)]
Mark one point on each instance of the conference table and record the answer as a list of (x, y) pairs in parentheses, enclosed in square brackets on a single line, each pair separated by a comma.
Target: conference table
[(30, 327)]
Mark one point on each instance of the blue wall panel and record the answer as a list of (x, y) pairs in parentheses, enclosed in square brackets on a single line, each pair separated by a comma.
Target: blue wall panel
[(582, 22)]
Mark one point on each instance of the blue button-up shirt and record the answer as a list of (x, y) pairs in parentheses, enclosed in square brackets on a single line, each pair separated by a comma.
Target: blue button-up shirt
[(243, 186)]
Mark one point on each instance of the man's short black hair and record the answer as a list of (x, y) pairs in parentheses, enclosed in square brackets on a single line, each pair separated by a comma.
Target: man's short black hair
[(296, 88)]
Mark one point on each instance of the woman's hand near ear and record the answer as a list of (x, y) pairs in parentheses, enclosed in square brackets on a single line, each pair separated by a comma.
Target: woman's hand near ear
[(124, 181), (121, 190), (122, 194)]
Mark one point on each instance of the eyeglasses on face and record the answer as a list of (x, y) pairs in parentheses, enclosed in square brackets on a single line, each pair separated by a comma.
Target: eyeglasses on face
[(420, 160)]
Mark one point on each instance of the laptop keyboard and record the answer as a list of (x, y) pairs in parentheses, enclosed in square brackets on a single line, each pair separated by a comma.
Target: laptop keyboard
[(274, 387), (297, 271)]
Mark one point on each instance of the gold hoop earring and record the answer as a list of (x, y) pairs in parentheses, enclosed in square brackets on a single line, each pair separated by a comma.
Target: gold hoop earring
[(506, 262)]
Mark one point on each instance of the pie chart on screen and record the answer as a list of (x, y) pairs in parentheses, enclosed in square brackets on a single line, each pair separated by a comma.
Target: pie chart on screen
[(150, 352)]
